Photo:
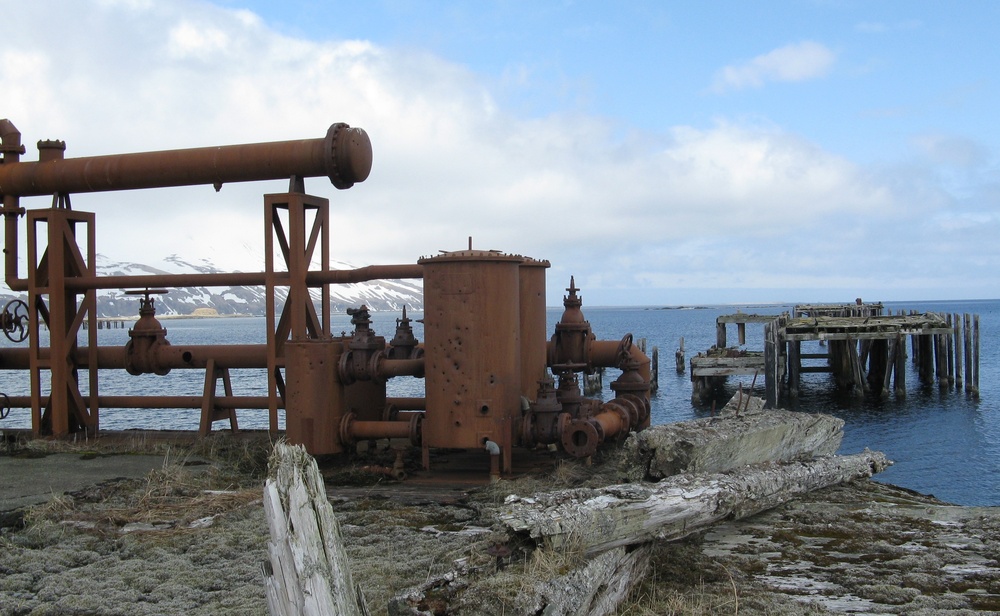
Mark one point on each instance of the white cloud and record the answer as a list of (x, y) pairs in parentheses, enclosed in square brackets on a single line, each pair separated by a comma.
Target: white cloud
[(952, 149), (794, 62)]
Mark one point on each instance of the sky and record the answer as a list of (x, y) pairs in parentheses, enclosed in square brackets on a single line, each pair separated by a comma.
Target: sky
[(662, 153)]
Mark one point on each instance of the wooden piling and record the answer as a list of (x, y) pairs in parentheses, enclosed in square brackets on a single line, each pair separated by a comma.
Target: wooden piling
[(794, 367), (679, 357), (720, 335), (900, 366), (967, 319), (959, 347), (975, 355)]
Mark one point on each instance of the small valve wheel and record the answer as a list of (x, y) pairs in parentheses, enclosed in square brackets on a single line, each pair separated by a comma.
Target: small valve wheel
[(15, 320)]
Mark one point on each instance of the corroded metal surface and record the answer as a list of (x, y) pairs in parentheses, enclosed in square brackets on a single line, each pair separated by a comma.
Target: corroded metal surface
[(485, 361)]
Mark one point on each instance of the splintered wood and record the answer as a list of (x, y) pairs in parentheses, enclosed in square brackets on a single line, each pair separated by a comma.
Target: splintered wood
[(308, 571)]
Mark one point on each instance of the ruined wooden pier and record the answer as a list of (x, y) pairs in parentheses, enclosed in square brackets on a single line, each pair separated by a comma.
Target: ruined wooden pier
[(864, 349)]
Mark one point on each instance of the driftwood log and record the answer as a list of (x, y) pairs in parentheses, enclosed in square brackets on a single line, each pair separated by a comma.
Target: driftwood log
[(308, 571), (608, 534), (742, 434), (595, 520)]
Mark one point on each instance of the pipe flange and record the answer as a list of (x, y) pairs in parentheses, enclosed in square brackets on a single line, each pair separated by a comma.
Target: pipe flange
[(345, 429), (344, 368), (349, 155), (580, 438), (416, 432)]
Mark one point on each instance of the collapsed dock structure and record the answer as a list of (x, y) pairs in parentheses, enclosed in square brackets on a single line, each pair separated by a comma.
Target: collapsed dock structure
[(862, 347), (492, 380)]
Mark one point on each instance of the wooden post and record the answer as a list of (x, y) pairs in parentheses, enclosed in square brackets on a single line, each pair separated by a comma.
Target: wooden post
[(679, 357), (975, 355), (794, 367), (772, 382), (950, 343), (959, 347), (308, 572), (968, 352), (741, 333), (857, 379), (900, 367), (720, 335), (926, 352)]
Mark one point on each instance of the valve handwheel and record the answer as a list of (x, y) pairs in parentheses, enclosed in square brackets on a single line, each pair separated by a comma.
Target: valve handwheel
[(624, 349), (15, 320)]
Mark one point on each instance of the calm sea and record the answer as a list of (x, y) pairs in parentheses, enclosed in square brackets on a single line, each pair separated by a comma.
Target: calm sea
[(943, 442)]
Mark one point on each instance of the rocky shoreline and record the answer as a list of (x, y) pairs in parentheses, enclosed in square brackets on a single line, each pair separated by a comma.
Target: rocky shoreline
[(190, 538)]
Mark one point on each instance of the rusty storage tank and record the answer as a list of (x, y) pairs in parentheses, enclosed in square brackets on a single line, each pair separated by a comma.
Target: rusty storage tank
[(472, 348), (534, 340)]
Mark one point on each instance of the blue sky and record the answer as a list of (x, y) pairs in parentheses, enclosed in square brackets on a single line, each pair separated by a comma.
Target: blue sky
[(663, 153)]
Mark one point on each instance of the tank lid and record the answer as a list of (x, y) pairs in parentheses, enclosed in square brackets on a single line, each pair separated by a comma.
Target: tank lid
[(471, 255)]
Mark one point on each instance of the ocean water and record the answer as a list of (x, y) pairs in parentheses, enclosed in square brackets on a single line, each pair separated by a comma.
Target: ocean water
[(943, 441)]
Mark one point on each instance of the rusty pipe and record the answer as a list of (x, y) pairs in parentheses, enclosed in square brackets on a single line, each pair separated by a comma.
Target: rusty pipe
[(344, 156), (11, 148), (388, 368), (238, 279), (352, 430), (158, 402), (180, 356), (605, 353)]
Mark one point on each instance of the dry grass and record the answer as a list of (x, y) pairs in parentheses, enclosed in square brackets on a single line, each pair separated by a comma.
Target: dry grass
[(197, 482)]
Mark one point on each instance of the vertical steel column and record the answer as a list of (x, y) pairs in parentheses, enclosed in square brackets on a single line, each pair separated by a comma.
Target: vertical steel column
[(308, 220)]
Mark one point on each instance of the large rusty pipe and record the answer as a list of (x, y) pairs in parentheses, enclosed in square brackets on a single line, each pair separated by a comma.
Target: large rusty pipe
[(388, 368), (10, 142), (605, 353), (158, 402), (170, 356), (239, 279), (344, 155)]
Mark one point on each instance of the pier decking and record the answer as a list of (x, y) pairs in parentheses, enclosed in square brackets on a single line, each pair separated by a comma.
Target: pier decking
[(865, 350)]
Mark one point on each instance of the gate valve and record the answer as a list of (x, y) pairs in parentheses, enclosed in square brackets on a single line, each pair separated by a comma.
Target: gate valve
[(569, 394), (14, 320), (404, 344), (541, 423), (364, 351), (146, 337), (572, 338)]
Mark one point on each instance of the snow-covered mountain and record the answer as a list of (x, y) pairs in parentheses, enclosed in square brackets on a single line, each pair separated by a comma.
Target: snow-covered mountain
[(388, 295)]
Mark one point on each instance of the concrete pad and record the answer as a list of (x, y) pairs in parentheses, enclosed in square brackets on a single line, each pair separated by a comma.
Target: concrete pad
[(29, 481)]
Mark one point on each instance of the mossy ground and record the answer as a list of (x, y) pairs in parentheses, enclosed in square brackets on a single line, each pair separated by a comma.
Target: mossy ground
[(189, 539)]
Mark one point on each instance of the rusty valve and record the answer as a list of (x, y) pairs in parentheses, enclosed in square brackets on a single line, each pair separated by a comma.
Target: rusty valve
[(14, 320), (145, 338), (364, 351)]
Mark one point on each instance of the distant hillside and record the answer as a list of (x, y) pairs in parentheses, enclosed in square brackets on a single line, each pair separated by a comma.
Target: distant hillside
[(381, 295)]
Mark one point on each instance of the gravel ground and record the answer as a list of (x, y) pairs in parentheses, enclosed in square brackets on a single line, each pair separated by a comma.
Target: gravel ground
[(190, 540)]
